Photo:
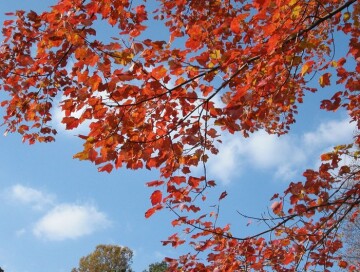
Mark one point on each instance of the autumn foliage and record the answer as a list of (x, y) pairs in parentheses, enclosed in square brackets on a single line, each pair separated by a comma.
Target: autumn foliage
[(237, 66), (106, 258)]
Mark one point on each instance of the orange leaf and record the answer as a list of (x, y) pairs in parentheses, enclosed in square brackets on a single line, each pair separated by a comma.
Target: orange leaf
[(277, 207), (107, 168), (324, 80), (235, 26), (70, 122), (326, 156), (159, 72), (194, 182), (235, 23), (94, 82), (178, 179), (289, 257), (307, 68), (152, 210), (343, 264), (137, 47), (156, 197), (155, 183)]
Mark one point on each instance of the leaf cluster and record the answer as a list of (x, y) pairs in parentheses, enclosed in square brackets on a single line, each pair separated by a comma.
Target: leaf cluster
[(235, 66)]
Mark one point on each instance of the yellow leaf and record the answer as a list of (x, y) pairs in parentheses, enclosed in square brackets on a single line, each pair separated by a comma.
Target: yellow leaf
[(324, 80), (123, 58), (346, 16), (215, 54), (304, 69), (90, 139), (296, 12), (81, 156), (307, 68)]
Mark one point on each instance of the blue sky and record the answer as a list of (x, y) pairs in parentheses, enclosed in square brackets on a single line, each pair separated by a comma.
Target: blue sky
[(56, 209)]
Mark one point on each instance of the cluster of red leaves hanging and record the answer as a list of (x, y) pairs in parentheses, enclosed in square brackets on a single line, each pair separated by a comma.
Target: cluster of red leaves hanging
[(151, 104)]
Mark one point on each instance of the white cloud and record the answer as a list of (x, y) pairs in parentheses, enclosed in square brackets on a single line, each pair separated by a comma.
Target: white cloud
[(268, 151), (259, 152), (285, 156), (286, 172), (225, 165), (70, 221), (30, 196), (330, 133), (60, 221)]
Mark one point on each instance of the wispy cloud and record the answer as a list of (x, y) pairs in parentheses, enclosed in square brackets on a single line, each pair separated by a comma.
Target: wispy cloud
[(330, 133), (59, 221), (284, 156), (30, 196), (70, 221)]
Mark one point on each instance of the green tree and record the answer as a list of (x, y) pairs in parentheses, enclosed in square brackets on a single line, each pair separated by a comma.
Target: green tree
[(157, 267), (106, 258)]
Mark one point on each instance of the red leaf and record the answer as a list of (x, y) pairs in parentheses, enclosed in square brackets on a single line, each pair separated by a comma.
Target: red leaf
[(274, 196), (326, 157), (235, 26), (324, 80), (235, 23), (152, 210), (154, 183), (223, 194), (70, 122), (94, 82), (289, 257), (156, 197), (4, 103), (277, 207), (159, 72), (178, 179), (107, 168), (137, 47), (194, 182), (307, 67), (343, 264)]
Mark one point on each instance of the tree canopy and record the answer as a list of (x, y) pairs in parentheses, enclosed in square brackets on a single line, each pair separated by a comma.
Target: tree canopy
[(235, 66), (109, 258), (157, 267)]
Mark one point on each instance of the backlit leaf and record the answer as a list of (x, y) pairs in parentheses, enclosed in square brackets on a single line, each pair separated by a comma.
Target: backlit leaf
[(156, 197), (324, 80), (277, 207), (223, 195), (106, 168)]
